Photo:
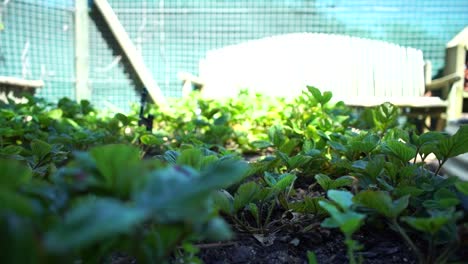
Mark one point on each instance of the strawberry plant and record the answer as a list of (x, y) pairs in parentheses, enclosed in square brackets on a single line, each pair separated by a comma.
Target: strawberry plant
[(82, 185)]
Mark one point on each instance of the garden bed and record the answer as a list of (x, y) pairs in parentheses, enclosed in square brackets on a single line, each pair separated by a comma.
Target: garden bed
[(246, 180)]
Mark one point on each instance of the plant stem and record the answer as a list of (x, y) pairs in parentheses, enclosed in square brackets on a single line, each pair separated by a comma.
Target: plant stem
[(448, 250), (407, 239), (270, 211), (441, 163), (416, 156), (350, 250), (430, 250)]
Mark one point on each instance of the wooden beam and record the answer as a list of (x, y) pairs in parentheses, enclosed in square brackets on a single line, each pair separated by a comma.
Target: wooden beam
[(13, 81), (130, 51), (443, 82), (82, 88)]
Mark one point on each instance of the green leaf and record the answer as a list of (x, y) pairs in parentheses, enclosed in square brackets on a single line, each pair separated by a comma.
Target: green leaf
[(430, 225), (311, 258), (15, 202), (289, 145), (171, 156), (253, 209), (91, 221), (119, 166), (342, 198), (365, 144), (343, 181), (245, 194), (11, 150), (315, 93), (217, 230), (462, 186), (177, 193), (191, 157), (309, 205), (454, 145), (122, 118), (347, 221), (401, 150), (13, 174), (40, 148), (285, 181), (381, 202), (261, 144), (276, 135), (443, 199), (430, 137), (298, 161), (55, 113), (223, 201), (326, 96), (324, 181), (151, 140), (386, 113), (407, 190)]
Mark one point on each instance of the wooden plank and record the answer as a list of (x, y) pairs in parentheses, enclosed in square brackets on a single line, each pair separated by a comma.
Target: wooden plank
[(130, 51), (400, 101), (82, 89), (455, 63), (443, 82), (13, 81)]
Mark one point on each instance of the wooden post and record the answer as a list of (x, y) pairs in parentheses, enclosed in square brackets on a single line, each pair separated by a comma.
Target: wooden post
[(427, 72), (130, 51), (82, 89), (454, 64)]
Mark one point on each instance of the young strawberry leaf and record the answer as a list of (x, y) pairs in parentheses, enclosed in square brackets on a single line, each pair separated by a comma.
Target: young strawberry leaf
[(284, 182), (311, 258), (385, 116), (190, 157), (216, 230), (276, 135), (454, 145), (430, 225), (307, 206), (315, 93), (462, 186), (245, 194), (224, 201), (381, 202), (401, 150), (443, 199), (151, 140), (343, 198), (13, 174), (40, 149), (327, 183), (91, 221), (348, 221)]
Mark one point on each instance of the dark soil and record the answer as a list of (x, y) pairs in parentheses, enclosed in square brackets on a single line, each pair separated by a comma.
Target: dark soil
[(328, 246)]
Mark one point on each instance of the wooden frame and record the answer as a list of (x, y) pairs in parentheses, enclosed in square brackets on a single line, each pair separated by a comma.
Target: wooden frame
[(13, 87), (18, 82), (135, 58), (82, 88)]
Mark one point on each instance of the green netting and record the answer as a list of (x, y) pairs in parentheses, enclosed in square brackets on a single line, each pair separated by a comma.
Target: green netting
[(173, 35), (37, 43)]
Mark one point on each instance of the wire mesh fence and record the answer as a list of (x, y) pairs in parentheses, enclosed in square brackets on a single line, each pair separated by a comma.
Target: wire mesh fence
[(173, 35), (37, 44)]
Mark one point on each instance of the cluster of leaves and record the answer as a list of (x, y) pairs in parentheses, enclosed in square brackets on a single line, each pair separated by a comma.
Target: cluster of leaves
[(108, 199), (78, 184)]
